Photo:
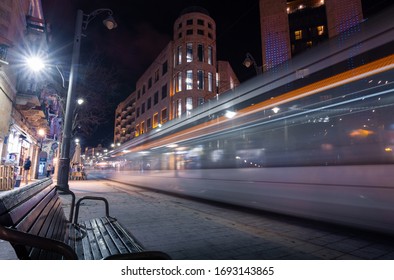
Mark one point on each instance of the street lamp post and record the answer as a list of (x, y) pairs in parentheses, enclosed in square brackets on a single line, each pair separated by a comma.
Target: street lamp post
[(82, 22)]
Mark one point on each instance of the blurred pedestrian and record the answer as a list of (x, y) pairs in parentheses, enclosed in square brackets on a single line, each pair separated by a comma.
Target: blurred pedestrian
[(49, 170), (26, 169)]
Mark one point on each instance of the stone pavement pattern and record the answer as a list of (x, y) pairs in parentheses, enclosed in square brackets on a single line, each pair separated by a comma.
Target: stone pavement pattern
[(187, 229)]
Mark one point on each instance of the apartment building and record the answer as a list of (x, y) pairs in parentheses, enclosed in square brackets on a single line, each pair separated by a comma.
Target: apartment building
[(290, 27), (183, 76)]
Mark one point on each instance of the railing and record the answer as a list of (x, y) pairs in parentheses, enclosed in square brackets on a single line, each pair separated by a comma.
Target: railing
[(7, 180)]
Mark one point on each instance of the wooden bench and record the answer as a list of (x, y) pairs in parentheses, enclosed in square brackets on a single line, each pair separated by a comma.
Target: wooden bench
[(33, 220)]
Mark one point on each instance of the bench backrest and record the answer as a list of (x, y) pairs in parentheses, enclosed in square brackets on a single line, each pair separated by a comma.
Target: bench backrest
[(35, 209)]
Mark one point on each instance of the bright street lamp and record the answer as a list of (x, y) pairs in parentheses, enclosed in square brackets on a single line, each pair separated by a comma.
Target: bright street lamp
[(249, 61), (35, 63), (82, 22)]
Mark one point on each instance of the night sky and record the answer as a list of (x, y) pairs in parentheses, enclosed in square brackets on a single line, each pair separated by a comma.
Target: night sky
[(145, 28)]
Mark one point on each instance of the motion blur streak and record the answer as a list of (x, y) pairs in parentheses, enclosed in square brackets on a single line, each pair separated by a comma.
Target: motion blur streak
[(318, 146)]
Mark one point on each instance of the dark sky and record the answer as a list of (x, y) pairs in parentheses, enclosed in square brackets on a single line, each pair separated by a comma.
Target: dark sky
[(145, 28)]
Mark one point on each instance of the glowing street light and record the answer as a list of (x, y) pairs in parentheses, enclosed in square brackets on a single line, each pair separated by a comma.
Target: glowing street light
[(35, 63)]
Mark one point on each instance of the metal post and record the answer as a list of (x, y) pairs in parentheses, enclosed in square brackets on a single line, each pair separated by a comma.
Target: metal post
[(64, 161)]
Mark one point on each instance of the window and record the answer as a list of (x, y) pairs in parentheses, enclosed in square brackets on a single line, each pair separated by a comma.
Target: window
[(3, 52), (156, 98), (298, 34), (200, 21), (200, 52), (209, 25), (164, 91), (179, 82), (320, 30), (143, 89), (200, 79), (164, 115), (189, 106), (142, 128), (200, 32), (165, 67), (150, 82), (210, 82), (209, 55), (179, 107), (189, 32), (189, 22), (137, 130), (139, 94), (142, 108), (179, 55), (180, 25), (138, 112), (155, 120), (179, 35), (157, 75), (149, 123), (189, 79), (149, 103), (189, 52)]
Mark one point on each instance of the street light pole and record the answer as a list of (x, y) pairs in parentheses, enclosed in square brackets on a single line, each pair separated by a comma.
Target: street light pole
[(64, 161)]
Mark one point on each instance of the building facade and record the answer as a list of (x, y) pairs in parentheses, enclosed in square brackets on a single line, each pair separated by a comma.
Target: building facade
[(183, 76), (290, 27), (25, 109)]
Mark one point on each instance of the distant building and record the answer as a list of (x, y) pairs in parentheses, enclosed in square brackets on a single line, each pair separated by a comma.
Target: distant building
[(290, 27), (183, 76)]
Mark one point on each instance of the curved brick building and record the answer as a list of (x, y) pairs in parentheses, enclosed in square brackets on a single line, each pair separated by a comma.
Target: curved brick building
[(183, 76)]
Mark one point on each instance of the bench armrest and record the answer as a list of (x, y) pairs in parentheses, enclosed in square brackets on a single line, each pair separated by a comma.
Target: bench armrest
[(77, 205), (27, 239)]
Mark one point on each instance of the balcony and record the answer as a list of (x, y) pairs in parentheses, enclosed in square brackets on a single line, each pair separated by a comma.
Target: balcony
[(30, 107)]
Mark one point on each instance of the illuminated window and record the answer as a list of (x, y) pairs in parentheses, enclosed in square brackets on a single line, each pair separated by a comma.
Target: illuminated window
[(164, 115), (142, 128), (137, 130), (298, 34), (210, 82), (189, 79), (179, 107), (155, 120), (179, 55), (179, 82), (189, 52), (210, 55), (320, 30), (189, 105)]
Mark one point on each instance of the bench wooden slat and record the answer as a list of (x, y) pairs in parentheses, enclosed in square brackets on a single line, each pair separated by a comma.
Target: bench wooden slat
[(32, 219)]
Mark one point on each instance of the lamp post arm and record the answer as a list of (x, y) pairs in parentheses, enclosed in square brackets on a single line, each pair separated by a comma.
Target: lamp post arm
[(92, 15), (62, 76)]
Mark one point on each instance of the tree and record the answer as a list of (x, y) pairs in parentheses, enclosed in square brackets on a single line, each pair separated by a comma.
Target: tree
[(98, 86)]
